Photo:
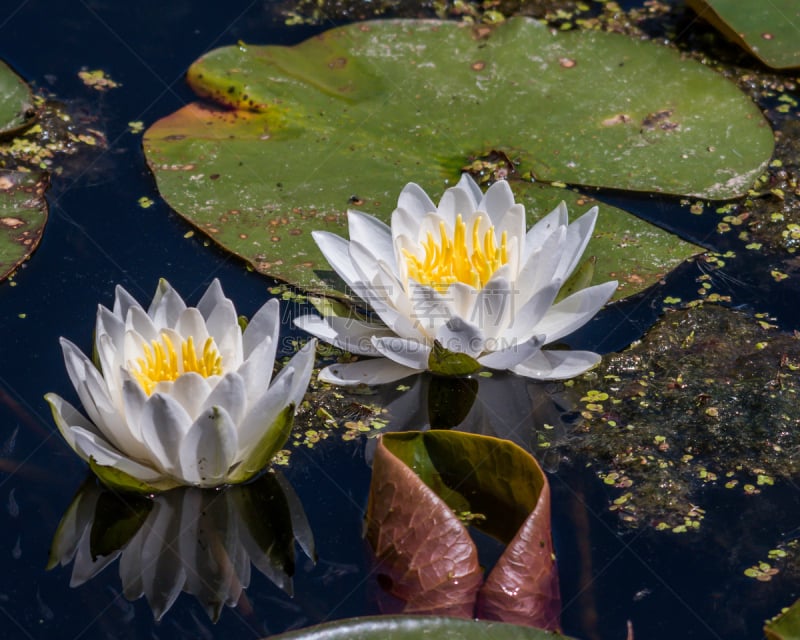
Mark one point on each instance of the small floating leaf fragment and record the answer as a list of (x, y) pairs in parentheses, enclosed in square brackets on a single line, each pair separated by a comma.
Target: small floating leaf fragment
[(97, 79)]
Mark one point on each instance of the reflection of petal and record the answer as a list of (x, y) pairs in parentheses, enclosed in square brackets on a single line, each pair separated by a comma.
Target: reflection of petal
[(198, 541), (373, 371)]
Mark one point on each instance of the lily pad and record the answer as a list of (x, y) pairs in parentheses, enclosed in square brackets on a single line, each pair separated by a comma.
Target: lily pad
[(786, 626), (415, 627), (299, 134), (425, 487), (16, 102), (23, 213), (768, 30)]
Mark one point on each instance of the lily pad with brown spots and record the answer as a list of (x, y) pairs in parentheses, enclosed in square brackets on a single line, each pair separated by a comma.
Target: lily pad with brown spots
[(23, 213)]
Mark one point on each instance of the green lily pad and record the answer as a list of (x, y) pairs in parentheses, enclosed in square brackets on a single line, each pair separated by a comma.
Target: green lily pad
[(16, 101), (768, 30), (299, 134), (415, 627), (23, 213), (786, 626)]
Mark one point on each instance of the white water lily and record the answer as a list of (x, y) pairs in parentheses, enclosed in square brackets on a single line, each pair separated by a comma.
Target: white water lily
[(466, 276), (183, 395)]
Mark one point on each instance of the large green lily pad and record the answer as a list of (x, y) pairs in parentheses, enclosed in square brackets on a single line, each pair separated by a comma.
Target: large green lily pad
[(299, 134), (414, 627), (785, 626), (16, 101), (23, 213), (768, 30)]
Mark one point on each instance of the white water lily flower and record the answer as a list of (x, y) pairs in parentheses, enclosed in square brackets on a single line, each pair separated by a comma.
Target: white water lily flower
[(465, 276), (183, 396)]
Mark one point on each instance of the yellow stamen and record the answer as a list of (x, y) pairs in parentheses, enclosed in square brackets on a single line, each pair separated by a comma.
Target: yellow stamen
[(160, 362), (448, 261)]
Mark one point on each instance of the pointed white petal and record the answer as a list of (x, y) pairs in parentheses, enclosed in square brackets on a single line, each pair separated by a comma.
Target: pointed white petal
[(223, 326), (123, 302), (109, 325), (578, 235), (209, 448), (370, 233), (138, 322), (409, 353), (497, 201), (574, 311), (468, 184), (557, 365), (348, 334), (512, 354), (230, 394), (191, 323), (212, 297), (415, 201), (256, 371), (167, 305), (336, 252), (495, 305), (303, 364), (190, 390), (525, 319), (66, 416), (538, 235), (90, 445), (460, 336), (404, 223), (264, 325), (456, 201), (164, 426), (372, 371), (538, 268), (264, 411)]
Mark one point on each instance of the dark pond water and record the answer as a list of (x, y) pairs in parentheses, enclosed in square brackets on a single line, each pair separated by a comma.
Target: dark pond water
[(668, 585)]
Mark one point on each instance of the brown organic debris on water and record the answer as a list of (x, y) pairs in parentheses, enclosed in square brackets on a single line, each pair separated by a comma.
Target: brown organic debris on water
[(710, 397)]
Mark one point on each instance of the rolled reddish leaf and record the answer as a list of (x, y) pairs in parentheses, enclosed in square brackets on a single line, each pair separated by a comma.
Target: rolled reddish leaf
[(421, 547), (429, 560), (523, 586)]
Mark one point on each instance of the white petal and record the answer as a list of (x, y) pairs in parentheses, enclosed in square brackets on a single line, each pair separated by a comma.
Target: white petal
[(578, 235), (409, 353), (404, 223), (415, 201), (538, 268), (191, 323), (557, 365), (336, 252), (372, 371), (90, 445), (165, 424), (365, 263), (461, 298), (430, 309), (256, 371), (109, 325), (138, 322), (456, 201), (459, 336), (66, 416), (230, 394), (300, 366), (209, 448), (223, 326), (123, 302), (167, 305), (575, 311), (264, 325), (497, 201), (525, 319), (468, 184), (495, 305), (539, 234), (264, 412), (371, 233), (512, 354), (190, 390), (348, 334), (211, 298), (513, 225)]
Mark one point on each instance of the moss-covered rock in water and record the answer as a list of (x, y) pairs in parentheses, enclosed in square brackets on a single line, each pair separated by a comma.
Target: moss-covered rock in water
[(709, 396)]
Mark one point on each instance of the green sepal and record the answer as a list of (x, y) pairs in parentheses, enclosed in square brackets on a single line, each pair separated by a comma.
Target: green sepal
[(449, 363), (118, 480), (331, 307), (271, 442)]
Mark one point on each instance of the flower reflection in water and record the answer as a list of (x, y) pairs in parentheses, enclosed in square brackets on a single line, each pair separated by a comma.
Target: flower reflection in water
[(533, 415), (198, 541)]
